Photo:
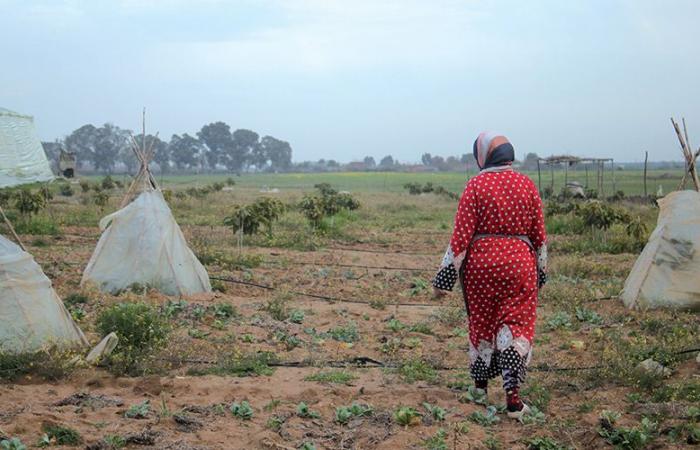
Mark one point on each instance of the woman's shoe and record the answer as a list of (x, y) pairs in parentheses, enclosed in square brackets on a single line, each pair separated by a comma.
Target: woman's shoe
[(518, 415)]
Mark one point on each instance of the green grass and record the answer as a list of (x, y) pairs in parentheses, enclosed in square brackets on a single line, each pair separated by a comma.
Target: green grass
[(332, 377)]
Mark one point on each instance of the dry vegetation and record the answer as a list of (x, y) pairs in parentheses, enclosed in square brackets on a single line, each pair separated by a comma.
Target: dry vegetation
[(369, 361)]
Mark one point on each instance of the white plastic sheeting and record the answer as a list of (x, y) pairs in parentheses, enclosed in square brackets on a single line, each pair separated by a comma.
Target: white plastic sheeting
[(667, 272), (22, 158), (31, 314), (141, 243)]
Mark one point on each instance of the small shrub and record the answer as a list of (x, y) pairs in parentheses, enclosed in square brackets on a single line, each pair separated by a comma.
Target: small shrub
[(12, 444), (138, 411), (417, 370), (277, 307), (347, 333), (543, 443), (406, 416), (141, 331), (61, 435), (490, 417), (437, 441), (84, 186), (28, 202), (100, 199), (304, 412), (242, 410), (434, 411), (107, 183), (66, 190), (333, 377)]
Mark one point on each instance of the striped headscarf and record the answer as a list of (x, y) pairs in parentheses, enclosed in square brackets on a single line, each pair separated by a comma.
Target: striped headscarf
[(493, 150)]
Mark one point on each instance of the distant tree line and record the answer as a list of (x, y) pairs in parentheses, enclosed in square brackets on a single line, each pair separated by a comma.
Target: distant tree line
[(108, 148)]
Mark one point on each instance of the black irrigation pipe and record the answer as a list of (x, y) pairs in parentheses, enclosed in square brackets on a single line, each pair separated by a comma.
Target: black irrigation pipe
[(316, 296), (379, 252), (366, 362), (358, 266), (344, 300)]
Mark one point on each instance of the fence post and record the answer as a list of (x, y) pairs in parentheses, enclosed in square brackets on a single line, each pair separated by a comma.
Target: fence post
[(646, 160)]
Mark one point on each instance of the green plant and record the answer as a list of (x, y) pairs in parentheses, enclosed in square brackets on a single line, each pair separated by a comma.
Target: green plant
[(395, 325), (61, 435), (490, 417), (141, 331), (100, 198), (417, 369), (629, 438), (475, 395), (249, 218), (343, 414), (347, 333), (436, 412), (138, 411), (225, 311), (535, 416), (543, 443), (84, 185), (28, 202), (558, 320), (296, 316), (12, 444), (418, 285), (107, 182), (437, 441), (242, 410), (304, 411), (333, 377), (230, 181), (277, 307), (275, 423), (114, 441), (66, 190), (406, 416), (586, 315), (600, 215), (307, 446)]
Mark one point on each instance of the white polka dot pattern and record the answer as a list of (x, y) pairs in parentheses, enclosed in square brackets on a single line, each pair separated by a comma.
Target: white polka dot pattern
[(501, 275)]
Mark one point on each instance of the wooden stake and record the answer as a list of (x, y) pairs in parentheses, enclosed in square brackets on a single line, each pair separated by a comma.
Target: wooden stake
[(12, 229), (646, 160), (539, 177)]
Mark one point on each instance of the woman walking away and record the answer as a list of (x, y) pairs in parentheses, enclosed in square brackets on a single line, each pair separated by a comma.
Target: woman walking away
[(498, 251)]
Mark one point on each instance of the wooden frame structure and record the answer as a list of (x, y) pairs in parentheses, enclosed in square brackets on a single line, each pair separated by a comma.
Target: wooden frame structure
[(144, 180), (690, 156), (569, 161)]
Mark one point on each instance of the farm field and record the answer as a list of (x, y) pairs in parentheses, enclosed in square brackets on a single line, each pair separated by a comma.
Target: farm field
[(329, 338)]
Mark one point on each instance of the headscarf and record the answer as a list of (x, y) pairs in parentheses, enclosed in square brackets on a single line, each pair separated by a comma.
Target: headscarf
[(493, 150)]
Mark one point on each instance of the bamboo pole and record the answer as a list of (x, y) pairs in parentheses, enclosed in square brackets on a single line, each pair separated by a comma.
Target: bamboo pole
[(612, 167), (12, 229), (539, 177)]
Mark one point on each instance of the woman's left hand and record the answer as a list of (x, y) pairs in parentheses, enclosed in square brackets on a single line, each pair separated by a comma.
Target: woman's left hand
[(438, 293)]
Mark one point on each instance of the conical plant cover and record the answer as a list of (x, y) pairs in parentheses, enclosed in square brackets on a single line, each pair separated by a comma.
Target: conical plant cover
[(667, 272), (22, 158), (142, 244), (32, 316)]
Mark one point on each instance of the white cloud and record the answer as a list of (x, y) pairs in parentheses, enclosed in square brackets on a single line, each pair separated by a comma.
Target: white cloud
[(322, 36)]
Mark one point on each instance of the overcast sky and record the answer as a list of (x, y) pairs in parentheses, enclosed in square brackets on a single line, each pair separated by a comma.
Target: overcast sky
[(347, 78)]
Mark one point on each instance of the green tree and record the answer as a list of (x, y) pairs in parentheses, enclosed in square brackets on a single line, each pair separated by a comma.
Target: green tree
[(185, 151), (219, 141)]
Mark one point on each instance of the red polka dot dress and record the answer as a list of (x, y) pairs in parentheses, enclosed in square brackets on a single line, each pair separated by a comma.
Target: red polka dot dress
[(498, 244)]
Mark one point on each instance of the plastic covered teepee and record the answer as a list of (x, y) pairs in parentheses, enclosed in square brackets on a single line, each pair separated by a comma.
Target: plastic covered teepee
[(22, 158), (142, 244), (31, 314), (667, 272)]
